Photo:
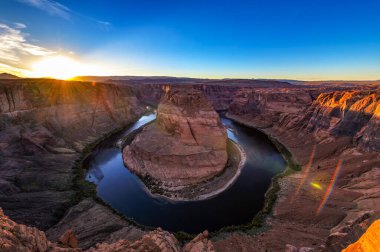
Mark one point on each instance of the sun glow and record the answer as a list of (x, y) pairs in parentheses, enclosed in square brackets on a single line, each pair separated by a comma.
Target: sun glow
[(61, 67)]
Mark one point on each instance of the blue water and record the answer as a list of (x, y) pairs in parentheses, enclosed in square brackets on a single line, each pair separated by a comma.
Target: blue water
[(124, 191)]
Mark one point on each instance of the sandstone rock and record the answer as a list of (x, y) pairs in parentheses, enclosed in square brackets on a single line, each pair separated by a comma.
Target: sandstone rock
[(219, 92), (186, 145), (199, 243), (94, 223), (351, 229), (205, 233), (269, 106), (339, 125), (368, 242), (290, 248), (305, 249), (69, 239), (156, 240), (15, 237), (347, 113)]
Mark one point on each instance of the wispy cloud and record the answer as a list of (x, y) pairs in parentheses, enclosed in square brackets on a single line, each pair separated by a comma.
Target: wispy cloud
[(52, 7), (20, 25), (15, 49), (103, 22), (56, 9), (106, 26)]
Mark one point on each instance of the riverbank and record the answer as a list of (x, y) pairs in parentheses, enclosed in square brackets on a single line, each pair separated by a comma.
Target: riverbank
[(201, 191), (221, 183), (297, 208), (271, 196)]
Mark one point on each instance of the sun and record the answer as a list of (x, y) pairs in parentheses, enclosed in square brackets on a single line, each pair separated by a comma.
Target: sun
[(58, 67)]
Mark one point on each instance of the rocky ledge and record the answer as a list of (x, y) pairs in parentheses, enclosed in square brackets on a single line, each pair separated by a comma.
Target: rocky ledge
[(185, 146), (17, 237)]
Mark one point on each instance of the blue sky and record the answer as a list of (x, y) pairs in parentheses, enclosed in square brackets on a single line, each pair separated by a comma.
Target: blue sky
[(296, 39)]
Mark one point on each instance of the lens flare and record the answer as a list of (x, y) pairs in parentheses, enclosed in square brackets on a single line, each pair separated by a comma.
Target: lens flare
[(331, 186), (316, 185), (304, 175)]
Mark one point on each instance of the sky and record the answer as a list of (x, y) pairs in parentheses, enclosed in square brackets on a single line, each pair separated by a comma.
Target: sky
[(294, 39)]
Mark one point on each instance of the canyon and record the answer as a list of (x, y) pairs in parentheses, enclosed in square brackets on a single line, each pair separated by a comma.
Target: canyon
[(332, 133)]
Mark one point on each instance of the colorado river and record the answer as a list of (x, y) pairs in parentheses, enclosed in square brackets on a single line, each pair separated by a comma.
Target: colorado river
[(238, 204)]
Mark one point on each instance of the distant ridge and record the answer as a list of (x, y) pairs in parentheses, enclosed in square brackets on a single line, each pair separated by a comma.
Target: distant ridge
[(251, 81), (8, 76), (139, 80)]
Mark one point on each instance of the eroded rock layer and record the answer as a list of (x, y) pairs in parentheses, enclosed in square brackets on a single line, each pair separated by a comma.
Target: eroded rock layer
[(333, 136), (45, 125), (368, 242), (15, 237), (186, 145)]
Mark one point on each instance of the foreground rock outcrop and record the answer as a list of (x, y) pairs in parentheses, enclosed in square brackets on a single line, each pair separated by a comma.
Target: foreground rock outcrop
[(15, 237), (368, 242), (186, 145)]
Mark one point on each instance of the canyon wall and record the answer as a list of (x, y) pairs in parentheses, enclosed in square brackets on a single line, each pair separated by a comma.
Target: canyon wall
[(219, 92), (45, 125), (219, 96), (351, 114), (334, 137)]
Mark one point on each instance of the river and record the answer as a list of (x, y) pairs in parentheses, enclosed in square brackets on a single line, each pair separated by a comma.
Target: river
[(238, 204)]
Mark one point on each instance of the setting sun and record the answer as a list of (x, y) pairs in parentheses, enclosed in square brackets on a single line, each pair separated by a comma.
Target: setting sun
[(59, 67)]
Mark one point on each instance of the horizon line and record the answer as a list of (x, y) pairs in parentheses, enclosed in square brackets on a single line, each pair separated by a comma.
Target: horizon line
[(204, 78)]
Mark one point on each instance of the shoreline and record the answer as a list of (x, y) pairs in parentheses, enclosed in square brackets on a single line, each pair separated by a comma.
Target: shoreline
[(256, 222), (281, 147), (272, 194), (243, 159), (213, 193)]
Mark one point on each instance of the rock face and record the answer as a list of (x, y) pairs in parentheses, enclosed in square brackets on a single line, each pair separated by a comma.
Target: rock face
[(44, 127), (219, 92), (269, 106), (94, 223), (318, 132), (186, 145), (16, 237), (352, 114), (157, 240), (69, 239), (369, 242), (199, 243)]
